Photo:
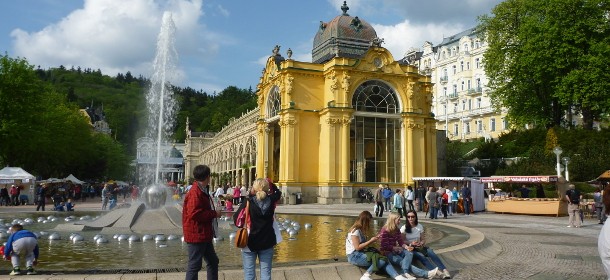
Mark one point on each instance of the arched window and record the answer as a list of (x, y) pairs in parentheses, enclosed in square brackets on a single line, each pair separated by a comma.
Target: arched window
[(375, 142), (375, 96), (273, 103)]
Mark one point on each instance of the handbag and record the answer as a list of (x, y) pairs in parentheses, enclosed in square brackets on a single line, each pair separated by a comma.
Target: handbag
[(422, 249), (241, 236)]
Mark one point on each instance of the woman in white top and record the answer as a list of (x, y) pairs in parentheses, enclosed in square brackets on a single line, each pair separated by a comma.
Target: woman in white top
[(410, 196), (357, 240), (414, 235)]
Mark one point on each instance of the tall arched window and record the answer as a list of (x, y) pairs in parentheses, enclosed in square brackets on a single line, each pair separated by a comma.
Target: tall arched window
[(273, 103), (375, 142)]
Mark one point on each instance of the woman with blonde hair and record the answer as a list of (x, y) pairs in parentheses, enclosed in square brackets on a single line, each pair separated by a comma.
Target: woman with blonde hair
[(392, 245), (357, 248), (261, 236)]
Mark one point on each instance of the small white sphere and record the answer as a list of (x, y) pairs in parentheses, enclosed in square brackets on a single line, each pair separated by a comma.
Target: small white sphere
[(101, 240), (160, 237), (307, 226), (231, 235), (134, 238), (54, 236), (147, 237), (77, 238)]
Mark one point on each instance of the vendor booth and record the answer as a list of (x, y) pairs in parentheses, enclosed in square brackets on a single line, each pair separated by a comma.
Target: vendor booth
[(17, 176), (476, 188), (534, 206)]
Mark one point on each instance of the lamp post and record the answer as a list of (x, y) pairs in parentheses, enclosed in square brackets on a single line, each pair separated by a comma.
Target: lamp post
[(566, 161), (557, 150)]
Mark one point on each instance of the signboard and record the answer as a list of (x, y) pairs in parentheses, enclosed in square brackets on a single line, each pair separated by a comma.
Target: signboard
[(520, 179), (7, 181)]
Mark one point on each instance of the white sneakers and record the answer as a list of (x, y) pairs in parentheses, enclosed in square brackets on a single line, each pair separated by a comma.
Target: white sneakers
[(366, 276), (446, 274), (433, 273), (401, 277)]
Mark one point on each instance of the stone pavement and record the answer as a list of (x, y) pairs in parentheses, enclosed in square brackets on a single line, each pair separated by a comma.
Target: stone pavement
[(499, 246)]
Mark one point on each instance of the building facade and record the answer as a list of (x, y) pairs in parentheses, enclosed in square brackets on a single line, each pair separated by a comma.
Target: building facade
[(353, 117), (171, 161), (461, 105)]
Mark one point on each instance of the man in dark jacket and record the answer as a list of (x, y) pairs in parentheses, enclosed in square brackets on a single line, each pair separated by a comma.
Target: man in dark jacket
[(198, 218)]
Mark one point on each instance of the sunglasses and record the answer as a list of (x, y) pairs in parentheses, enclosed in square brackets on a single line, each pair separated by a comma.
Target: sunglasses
[(410, 216)]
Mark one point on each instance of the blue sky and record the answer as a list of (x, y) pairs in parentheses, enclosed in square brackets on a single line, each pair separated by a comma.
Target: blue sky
[(219, 43)]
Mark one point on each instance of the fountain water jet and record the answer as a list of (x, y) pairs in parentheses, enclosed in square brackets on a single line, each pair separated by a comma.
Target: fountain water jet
[(161, 107)]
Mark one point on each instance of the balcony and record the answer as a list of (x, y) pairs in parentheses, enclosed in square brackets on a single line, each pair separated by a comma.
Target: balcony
[(452, 96), (444, 79), (472, 91)]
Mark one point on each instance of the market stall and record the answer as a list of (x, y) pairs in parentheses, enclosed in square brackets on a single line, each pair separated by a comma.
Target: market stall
[(476, 187), (504, 203), (17, 176)]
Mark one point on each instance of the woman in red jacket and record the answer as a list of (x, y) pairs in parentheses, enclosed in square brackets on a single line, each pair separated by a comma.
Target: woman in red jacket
[(198, 225)]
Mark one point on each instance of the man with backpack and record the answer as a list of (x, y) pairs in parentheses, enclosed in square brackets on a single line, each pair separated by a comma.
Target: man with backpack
[(573, 197)]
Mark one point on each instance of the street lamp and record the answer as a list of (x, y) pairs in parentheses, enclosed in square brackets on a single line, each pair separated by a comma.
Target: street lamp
[(566, 161), (557, 150)]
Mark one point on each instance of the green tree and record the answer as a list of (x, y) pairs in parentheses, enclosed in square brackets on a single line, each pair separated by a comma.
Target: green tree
[(546, 58)]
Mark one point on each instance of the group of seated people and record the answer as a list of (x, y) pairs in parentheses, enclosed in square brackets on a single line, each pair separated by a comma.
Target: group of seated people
[(64, 206), (398, 246)]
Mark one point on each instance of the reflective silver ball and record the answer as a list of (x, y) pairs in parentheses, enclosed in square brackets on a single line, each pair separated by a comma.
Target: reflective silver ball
[(147, 237), (54, 236), (307, 226), (101, 240), (134, 238), (154, 196)]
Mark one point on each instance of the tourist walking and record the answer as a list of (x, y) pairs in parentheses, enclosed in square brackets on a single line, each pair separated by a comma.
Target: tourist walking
[(21, 242), (432, 198), (599, 205), (454, 200), (14, 192), (5, 199), (379, 201), (573, 197), (387, 197), (198, 226), (261, 236), (420, 194), (359, 251), (414, 236), (410, 196), (466, 199), (398, 202), (41, 197)]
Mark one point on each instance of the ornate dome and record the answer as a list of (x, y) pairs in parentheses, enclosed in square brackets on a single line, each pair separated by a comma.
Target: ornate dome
[(344, 36)]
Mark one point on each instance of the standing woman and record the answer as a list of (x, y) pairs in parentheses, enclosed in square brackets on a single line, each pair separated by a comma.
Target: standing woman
[(603, 241), (392, 246), (261, 235), (410, 196), (414, 237), (357, 241), (433, 204), (398, 200)]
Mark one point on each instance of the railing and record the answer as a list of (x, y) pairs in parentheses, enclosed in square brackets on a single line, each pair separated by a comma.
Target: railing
[(444, 79), (452, 96)]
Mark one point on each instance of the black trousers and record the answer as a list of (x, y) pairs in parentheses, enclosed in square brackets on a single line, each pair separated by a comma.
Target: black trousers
[(196, 253), (379, 212)]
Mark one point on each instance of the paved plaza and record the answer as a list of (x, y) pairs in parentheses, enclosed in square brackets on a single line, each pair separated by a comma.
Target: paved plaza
[(499, 246)]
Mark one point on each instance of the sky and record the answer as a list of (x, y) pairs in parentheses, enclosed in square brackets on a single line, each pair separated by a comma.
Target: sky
[(219, 43)]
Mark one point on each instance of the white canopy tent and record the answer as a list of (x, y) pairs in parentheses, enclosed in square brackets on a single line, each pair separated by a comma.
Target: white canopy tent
[(74, 180), (18, 176)]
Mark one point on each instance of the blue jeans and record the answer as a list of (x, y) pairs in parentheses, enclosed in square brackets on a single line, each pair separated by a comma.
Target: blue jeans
[(433, 213), (265, 257), (466, 206), (404, 259), (197, 252), (359, 259), (388, 205), (436, 261)]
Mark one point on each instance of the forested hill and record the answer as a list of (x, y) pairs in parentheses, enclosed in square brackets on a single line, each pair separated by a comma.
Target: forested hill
[(123, 101)]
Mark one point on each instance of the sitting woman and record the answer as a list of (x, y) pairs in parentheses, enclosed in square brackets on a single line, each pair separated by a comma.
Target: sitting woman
[(356, 244), (399, 253), (414, 236)]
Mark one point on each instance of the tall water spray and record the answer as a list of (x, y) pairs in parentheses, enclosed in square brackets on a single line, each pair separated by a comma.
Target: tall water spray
[(161, 108)]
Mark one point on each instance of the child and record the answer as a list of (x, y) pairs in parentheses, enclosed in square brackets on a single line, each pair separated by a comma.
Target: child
[(21, 242), (60, 207), (69, 205), (229, 202)]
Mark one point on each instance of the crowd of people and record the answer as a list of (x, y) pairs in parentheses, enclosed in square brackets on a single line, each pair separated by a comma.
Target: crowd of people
[(435, 202)]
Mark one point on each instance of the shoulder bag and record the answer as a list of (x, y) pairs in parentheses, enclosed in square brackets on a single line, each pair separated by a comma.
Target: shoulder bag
[(241, 236)]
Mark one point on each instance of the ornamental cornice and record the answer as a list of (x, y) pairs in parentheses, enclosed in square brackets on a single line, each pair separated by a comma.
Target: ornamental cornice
[(287, 123), (288, 82)]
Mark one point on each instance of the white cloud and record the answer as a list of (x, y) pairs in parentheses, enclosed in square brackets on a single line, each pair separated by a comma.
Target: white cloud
[(116, 36), (403, 36)]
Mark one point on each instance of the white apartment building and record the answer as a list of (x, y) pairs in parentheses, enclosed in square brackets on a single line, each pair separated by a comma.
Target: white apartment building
[(461, 105)]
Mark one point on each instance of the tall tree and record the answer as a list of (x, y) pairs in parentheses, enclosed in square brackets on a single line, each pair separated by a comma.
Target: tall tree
[(549, 58)]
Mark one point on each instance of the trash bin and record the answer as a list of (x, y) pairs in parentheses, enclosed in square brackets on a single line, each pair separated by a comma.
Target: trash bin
[(292, 199), (299, 196)]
